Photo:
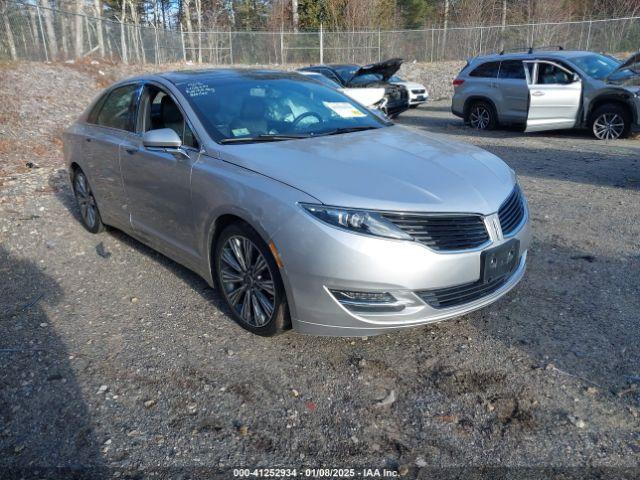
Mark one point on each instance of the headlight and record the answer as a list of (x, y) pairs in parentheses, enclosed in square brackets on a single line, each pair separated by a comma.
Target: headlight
[(359, 221)]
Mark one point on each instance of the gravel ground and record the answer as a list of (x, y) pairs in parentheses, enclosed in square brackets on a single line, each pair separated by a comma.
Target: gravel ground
[(114, 357)]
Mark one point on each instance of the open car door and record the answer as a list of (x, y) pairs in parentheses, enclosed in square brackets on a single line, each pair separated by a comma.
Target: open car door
[(555, 94)]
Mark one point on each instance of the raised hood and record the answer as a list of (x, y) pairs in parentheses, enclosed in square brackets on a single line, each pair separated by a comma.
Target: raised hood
[(632, 63), (392, 168), (387, 69)]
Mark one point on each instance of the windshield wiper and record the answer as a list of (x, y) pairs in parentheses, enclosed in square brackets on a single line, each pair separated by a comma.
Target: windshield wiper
[(338, 131), (267, 137)]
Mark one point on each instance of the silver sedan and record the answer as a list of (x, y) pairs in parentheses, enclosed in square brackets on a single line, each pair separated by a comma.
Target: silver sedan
[(306, 209)]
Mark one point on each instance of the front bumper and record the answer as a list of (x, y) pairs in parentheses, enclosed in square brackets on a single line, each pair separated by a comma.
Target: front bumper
[(417, 99), (319, 258)]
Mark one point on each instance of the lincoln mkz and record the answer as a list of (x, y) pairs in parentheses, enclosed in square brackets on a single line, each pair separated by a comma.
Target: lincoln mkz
[(303, 207)]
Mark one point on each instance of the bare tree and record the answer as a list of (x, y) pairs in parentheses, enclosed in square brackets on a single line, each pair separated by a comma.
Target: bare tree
[(123, 36), (51, 32), (294, 14), (97, 6), (7, 29), (187, 19), (198, 5), (445, 26), (79, 29)]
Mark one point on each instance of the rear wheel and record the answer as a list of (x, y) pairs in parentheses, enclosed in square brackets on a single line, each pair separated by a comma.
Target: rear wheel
[(89, 212), (249, 279), (610, 121), (482, 116)]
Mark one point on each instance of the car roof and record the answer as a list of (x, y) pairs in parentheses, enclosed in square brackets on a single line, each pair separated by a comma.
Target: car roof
[(524, 55), (334, 65), (179, 76)]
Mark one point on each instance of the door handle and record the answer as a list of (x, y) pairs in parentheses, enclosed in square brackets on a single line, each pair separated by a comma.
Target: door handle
[(87, 139), (537, 93)]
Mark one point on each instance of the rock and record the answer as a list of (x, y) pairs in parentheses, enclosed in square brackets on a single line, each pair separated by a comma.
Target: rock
[(388, 400), (103, 389), (134, 299), (192, 409), (578, 422), (295, 393), (403, 470), (149, 403), (354, 439), (102, 251), (243, 430), (421, 462)]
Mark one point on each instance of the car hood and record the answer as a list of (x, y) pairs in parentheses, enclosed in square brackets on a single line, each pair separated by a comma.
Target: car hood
[(632, 63), (387, 69), (365, 96), (392, 168), (411, 85)]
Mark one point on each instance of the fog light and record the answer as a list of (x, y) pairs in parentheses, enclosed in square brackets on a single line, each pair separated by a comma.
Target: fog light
[(367, 301)]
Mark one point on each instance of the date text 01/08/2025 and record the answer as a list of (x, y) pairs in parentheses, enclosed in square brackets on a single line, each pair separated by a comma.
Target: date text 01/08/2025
[(315, 473)]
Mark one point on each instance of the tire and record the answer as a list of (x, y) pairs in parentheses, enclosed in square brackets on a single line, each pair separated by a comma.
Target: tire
[(609, 122), (482, 116), (237, 248), (89, 212)]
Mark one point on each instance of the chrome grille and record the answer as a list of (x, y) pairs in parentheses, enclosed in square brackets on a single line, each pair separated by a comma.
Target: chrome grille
[(442, 232), (417, 91), (511, 212), (461, 294)]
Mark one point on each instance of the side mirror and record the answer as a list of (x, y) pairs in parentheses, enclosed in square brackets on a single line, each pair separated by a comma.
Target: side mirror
[(162, 138), (576, 78)]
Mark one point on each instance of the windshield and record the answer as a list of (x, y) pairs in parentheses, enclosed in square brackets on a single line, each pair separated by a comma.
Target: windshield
[(595, 65), (264, 106)]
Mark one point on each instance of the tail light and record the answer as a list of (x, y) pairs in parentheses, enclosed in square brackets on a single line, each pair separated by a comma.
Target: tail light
[(457, 82)]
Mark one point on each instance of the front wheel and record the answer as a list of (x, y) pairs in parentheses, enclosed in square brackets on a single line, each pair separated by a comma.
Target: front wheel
[(249, 279), (610, 122)]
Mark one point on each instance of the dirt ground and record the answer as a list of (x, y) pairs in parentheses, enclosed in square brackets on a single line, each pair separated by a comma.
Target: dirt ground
[(116, 358)]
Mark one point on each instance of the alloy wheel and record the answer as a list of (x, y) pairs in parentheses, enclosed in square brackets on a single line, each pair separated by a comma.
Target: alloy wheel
[(480, 117), (85, 199), (247, 281), (608, 126)]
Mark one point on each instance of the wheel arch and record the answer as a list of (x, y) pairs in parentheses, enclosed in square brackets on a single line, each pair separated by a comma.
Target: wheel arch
[(619, 98), (218, 224), (478, 98)]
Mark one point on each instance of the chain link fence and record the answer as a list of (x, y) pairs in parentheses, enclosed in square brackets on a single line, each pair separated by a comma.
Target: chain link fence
[(30, 32)]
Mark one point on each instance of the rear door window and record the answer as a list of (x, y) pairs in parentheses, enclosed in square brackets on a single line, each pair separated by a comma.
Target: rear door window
[(512, 69), (486, 70), (118, 109)]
